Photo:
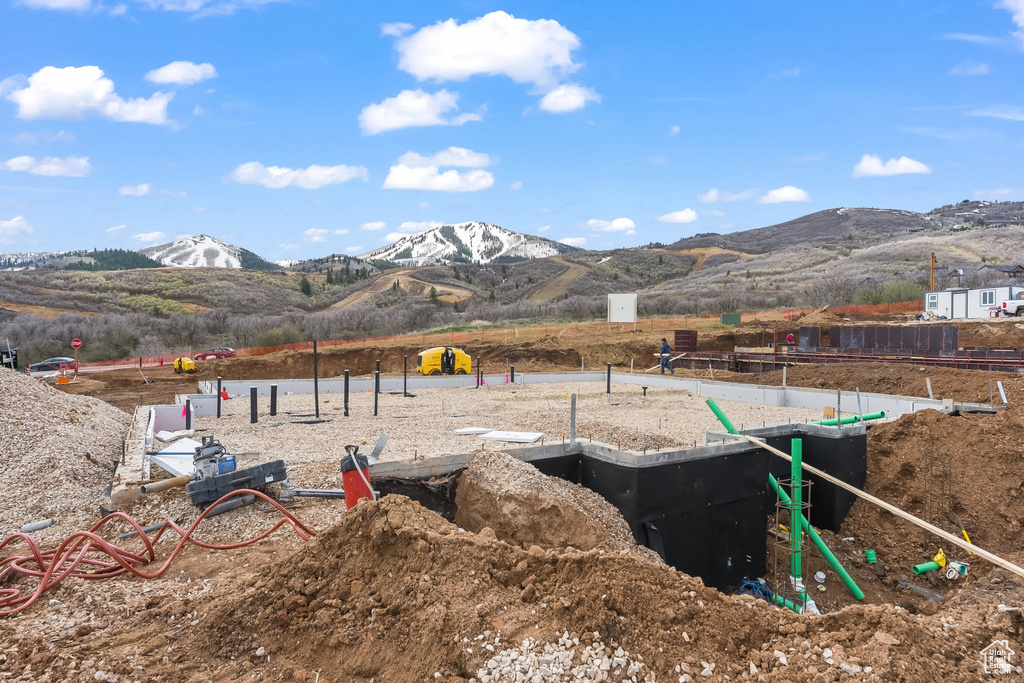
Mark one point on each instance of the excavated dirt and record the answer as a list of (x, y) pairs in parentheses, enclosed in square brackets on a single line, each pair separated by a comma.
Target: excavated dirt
[(392, 592)]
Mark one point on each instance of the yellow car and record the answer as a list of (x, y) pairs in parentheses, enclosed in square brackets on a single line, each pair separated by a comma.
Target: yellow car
[(184, 365), (443, 360)]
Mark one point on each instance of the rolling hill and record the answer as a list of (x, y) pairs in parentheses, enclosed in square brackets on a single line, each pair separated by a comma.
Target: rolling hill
[(203, 251)]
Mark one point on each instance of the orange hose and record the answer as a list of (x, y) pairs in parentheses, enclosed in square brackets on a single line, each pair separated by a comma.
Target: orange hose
[(72, 557)]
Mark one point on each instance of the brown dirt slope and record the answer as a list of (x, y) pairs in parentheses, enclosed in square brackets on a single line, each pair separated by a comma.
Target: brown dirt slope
[(407, 281), (702, 254), (559, 285)]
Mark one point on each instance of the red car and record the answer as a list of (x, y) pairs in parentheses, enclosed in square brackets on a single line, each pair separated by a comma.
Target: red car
[(219, 352)]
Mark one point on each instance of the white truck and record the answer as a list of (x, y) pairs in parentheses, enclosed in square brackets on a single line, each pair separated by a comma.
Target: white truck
[(1014, 307)]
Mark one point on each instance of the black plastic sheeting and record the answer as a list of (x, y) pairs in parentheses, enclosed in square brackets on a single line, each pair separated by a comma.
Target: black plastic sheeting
[(707, 515), (907, 338), (704, 515), (843, 457)]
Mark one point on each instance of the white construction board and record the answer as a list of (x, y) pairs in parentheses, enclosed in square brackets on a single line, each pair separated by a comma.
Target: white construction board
[(514, 437), (177, 458), (473, 430), (622, 308)]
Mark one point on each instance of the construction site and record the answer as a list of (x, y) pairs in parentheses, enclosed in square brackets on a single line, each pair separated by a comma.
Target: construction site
[(845, 506)]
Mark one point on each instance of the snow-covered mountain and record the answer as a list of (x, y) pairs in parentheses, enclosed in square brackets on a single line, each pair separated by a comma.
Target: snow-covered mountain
[(473, 241), (203, 251), (28, 259)]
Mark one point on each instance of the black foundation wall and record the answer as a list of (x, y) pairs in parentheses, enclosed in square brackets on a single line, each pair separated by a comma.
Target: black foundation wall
[(844, 457), (704, 514)]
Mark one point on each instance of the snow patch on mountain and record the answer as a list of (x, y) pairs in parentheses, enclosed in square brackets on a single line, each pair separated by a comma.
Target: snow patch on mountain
[(201, 251), (466, 242)]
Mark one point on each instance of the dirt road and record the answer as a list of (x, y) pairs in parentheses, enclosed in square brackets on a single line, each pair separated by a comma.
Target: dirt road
[(559, 285), (406, 282)]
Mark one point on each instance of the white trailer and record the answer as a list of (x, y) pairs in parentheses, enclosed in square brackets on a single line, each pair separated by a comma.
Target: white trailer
[(969, 303)]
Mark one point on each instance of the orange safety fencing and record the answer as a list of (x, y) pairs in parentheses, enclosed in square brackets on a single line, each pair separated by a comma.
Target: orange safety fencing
[(513, 332)]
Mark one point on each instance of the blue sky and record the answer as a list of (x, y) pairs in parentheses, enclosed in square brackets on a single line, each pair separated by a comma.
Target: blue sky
[(306, 127)]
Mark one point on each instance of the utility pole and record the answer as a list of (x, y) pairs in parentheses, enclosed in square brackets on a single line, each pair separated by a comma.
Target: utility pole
[(931, 274)]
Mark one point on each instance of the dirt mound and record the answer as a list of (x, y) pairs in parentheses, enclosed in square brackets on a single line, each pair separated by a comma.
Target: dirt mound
[(395, 593), (525, 508), (821, 317), (991, 510), (57, 454)]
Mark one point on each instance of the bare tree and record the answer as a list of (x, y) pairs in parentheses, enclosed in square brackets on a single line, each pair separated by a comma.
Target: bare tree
[(830, 291)]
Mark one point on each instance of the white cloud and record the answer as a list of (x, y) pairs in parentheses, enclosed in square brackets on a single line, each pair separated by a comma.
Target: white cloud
[(425, 205), (413, 108), (341, 231), (568, 97), (116, 228), (353, 250), (11, 229), (969, 68), (410, 228), (417, 172), (716, 213), (373, 225), (674, 130), (134, 190), (516, 185), (174, 193), (785, 194), (399, 28), (538, 52), (207, 7), (198, 209), (76, 92), (714, 195), (1016, 8), (68, 167), (544, 228), (315, 235), (71, 5), (118, 10), (574, 241), (430, 178), (873, 166), (311, 178), (27, 138), (1000, 193), (1001, 111), (972, 38), (153, 237), (453, 156), (182, 73), (617, 225), (786, 73), (684, 216)]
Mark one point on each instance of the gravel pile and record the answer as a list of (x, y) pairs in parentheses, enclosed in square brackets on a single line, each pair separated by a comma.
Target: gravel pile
[(57, 455), (567, 660), (525, 507)]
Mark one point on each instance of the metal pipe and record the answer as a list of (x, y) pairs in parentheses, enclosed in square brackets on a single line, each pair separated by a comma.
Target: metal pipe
[(164, 484), (346, 392), (405, 375), (316, 381), (850, 419), (218, 396), (253, 416), (609, 389), (188, 413), (572, 420), (512, 374), (273, 400), (376, 390), (820, 544)]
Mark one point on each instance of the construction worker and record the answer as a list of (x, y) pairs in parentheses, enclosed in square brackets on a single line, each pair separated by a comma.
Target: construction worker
[(666, 353), (789, 339), (448, 361)]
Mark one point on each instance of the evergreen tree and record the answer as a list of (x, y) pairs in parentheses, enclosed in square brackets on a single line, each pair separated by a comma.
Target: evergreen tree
[(305, 287)]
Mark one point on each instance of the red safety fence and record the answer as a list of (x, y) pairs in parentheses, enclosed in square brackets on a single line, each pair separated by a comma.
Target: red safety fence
[(513, 332)]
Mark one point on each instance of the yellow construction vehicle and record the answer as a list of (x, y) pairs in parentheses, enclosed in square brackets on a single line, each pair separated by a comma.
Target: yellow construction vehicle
[(443, 360), (184, 364)]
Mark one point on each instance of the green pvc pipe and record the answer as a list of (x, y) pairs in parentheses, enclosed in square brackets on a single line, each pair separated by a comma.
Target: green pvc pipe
[(925, 567), (850, 419), (826, 552), (796, 516), (721, 416), (788, 603)]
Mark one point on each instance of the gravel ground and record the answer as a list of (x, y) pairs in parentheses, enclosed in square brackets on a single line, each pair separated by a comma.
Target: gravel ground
[(424, 426), (57, 454)]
